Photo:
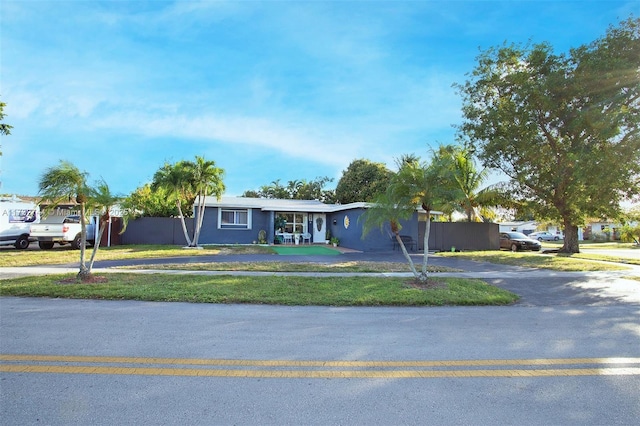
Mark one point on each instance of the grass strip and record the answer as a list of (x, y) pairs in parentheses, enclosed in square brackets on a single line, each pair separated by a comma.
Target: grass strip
[(602, 258), (351, 266), (556, 262), (10, 257), (298, 291)]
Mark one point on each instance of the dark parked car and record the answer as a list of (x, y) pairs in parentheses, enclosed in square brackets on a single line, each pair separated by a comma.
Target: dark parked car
[(515, 241)]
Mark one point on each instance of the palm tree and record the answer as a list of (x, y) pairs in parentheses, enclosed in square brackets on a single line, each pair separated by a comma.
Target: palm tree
[(469, 179), (190, 182), (101, 200), (174, 178), (384, 210), (205, 179), (415, 185), (424, 185), (65, 182)]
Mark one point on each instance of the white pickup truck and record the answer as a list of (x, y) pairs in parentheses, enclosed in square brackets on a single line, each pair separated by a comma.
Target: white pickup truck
[(62, 230)]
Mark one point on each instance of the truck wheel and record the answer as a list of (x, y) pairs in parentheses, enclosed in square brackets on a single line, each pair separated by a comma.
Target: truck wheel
[(22, 242), (45, 245), (77, 241)]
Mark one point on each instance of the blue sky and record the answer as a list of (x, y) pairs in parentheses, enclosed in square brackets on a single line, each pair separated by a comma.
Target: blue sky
[(267, 89)]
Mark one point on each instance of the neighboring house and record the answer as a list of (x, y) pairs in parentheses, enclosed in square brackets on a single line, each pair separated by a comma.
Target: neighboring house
[(519, 226), (602, 230), (527, 227)]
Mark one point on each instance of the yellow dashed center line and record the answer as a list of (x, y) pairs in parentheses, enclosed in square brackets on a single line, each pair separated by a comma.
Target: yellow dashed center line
[(317, 369)]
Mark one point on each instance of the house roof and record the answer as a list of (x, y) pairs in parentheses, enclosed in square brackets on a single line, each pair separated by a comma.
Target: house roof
[(280, 205), (518, 223), (270, 204)]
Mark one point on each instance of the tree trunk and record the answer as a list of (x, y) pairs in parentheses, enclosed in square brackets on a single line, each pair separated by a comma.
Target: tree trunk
[(96, 244), (407, 256), (184, 225), (84, 272), (571, 244), (200, 209), (425, 260)]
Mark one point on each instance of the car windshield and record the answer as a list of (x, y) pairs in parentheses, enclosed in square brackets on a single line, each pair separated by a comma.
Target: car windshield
[(517, 235)]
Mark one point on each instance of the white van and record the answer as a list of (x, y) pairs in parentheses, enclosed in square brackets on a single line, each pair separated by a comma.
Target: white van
[(16, 217)]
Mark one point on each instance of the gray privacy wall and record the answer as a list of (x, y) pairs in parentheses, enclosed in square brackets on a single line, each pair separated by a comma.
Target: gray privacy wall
[(462, 235), (156, 230)]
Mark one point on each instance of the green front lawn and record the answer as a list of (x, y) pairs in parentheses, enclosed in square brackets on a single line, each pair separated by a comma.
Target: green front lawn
[(581, 262), (278, 290), (9, 256)]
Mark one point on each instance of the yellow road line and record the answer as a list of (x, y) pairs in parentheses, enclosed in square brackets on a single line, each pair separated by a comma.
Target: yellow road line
[(325, 374), (315, 363), (24, 363)]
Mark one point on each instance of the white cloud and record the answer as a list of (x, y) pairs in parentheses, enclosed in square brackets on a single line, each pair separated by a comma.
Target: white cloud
[(288, 138)]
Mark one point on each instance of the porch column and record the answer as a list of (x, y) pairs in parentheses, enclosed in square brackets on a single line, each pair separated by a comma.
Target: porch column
[(271, 233)]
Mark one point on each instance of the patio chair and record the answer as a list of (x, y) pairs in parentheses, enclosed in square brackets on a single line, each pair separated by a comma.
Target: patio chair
[(306, 237)]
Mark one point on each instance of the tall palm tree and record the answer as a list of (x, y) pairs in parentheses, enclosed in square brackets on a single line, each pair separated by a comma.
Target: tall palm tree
[(386, 211), (426, 185), (175, 179), (469, 179), (190, 182), (416, 184), (204, 179), (65, 182)]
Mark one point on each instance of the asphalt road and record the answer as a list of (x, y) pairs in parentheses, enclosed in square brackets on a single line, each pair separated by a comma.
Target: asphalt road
[(198, 364), (568, 354)]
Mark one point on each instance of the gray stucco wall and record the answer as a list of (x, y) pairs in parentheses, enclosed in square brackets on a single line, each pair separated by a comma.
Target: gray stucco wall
[(376, 239), (210, 234)]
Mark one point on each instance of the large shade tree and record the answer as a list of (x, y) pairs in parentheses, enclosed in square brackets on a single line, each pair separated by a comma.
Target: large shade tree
[(363, 180), (565, 128), (146, 202)]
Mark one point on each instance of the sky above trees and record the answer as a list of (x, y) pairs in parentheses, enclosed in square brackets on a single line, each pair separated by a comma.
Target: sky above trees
[(268, 90)]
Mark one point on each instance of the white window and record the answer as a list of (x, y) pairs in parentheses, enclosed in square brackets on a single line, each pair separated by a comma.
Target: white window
[(293, 222), (234, 219)]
